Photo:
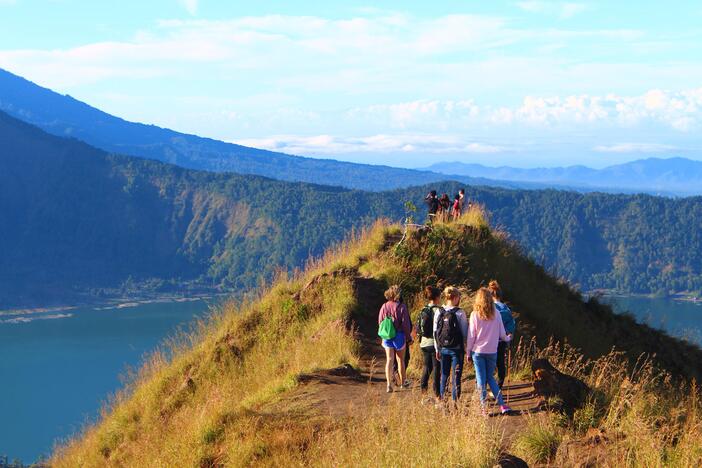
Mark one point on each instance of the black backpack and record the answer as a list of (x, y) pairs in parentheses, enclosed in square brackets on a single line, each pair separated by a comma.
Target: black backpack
[(448, 331), (425, 324)]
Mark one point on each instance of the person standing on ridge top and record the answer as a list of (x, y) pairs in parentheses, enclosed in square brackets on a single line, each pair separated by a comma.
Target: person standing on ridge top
[(444, 207), (432, 202), (456, 209)]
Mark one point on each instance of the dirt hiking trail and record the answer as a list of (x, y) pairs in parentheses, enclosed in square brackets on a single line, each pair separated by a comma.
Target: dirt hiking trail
[(349, 392)]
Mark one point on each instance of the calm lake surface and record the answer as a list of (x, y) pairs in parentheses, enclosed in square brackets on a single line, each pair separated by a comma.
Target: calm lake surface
[(55, 372), (58, 367), (679, 318)]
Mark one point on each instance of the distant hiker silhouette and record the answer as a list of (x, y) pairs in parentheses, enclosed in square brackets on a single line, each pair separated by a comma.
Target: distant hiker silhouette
[(456, 209), (444, 207), (432, 204)]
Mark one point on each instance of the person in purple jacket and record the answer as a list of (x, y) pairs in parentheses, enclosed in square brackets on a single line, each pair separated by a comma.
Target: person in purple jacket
[(395, 347)]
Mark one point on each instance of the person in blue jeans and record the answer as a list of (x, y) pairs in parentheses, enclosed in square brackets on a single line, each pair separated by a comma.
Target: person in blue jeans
[(450, 334), (510, 327), (485, 330)]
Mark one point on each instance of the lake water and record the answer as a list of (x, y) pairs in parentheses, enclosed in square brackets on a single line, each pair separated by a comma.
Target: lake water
[(679, 318), (58, 367)]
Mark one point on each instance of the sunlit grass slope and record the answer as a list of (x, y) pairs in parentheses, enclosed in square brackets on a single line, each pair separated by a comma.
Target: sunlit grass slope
[(217, 397)]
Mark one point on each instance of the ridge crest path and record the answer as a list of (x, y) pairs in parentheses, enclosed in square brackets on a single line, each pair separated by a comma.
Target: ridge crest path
[(348, 392)]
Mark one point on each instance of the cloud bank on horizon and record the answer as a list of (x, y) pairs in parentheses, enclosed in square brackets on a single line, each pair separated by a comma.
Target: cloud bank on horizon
[(526, 82)]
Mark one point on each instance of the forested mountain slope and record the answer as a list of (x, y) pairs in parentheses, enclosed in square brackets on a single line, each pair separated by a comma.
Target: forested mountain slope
[(634, 243), (74, 218)]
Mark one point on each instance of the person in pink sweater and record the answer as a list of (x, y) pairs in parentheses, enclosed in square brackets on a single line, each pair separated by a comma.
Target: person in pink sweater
[(485, 330)]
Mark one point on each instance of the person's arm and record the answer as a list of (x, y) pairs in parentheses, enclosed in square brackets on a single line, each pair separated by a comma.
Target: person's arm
[(406, 321), (511, 322), (437, 314), (503, 335), (472, 333), (463, 323), (381, 314)]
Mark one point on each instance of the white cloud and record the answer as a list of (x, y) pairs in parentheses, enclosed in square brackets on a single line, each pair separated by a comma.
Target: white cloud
[(568, 10), (333, 145), (417, 113), (635, 148), (190, 5), (563, 10), (388, 51), (681, 111), (414, 83)]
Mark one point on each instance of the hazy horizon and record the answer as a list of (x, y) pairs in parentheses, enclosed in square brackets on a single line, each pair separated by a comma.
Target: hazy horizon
[(524, 83)]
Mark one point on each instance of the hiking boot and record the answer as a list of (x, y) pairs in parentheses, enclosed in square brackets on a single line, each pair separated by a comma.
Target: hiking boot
[(406, 384), (504, 409)]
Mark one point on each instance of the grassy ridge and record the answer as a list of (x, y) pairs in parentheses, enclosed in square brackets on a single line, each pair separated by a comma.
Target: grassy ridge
[(635, 416), (223, 395)]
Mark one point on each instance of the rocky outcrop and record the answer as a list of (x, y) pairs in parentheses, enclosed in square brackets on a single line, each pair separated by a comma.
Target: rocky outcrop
[(558, 390)]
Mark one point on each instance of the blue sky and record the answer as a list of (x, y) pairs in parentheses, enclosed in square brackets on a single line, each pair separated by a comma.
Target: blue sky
[(406, 83)]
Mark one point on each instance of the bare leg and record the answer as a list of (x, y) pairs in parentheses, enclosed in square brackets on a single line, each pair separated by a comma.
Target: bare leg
[(400, 355), (389, 359)]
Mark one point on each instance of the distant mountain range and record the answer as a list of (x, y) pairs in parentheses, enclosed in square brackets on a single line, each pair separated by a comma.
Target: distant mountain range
[(76, 220), (67, 117), (679, 176)]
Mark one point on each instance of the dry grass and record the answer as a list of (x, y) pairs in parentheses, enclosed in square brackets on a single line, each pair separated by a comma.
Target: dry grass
[(538, 442), (649, 419), (209, 399), (176, 415), (405, 433)]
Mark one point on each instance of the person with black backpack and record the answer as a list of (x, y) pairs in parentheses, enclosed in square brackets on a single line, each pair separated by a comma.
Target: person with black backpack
[(425, 330), (450, 335)]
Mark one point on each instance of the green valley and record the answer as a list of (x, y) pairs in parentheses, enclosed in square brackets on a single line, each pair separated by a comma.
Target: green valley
[(76, 220)]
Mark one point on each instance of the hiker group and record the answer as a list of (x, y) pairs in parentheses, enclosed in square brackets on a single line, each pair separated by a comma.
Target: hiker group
[(447, 336), (444, 209)]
